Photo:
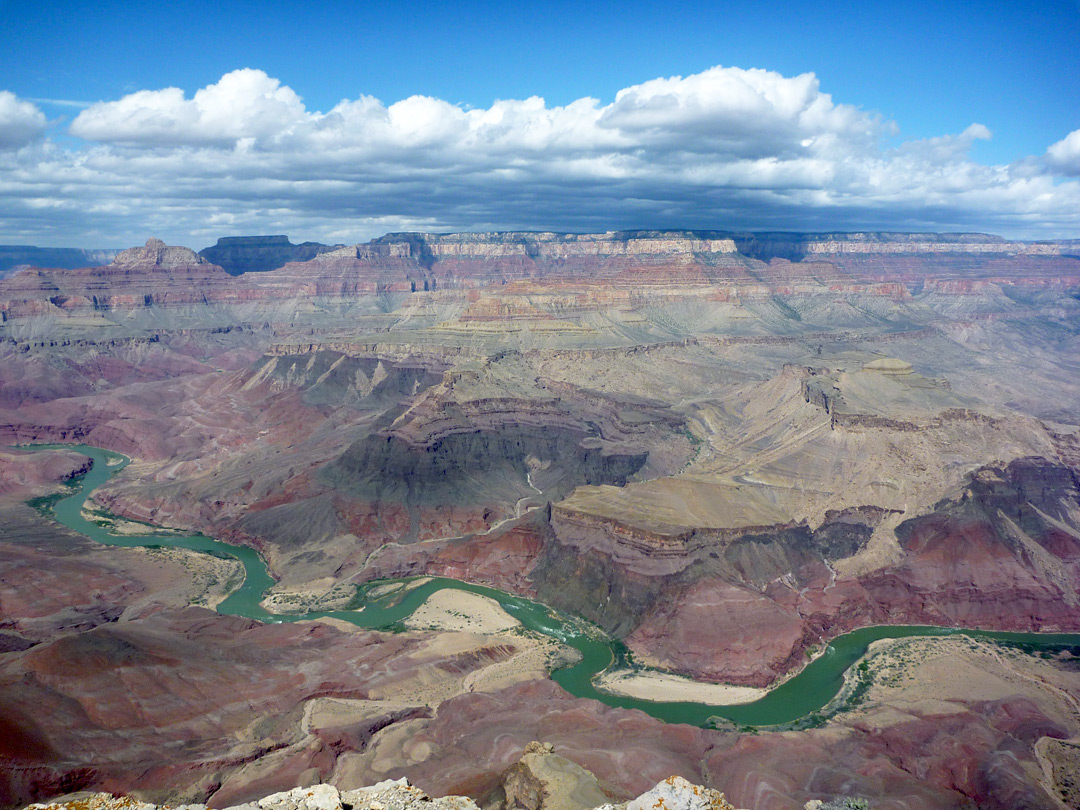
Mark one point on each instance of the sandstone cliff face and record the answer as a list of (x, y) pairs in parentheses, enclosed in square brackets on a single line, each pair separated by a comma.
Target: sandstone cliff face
[(137, 278), (665, 263)]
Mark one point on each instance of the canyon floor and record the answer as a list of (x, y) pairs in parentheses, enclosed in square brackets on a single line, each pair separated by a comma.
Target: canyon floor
[(723, 459)]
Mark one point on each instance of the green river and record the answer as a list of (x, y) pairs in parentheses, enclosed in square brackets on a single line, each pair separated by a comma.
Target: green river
[(808, 692)]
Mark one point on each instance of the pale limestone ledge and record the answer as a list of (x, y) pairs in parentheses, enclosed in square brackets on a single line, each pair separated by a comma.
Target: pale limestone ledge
[(599, 247), (546, 246), (1019, 248)]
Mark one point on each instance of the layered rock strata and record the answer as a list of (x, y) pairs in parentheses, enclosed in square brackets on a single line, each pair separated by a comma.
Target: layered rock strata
[(668, 263)]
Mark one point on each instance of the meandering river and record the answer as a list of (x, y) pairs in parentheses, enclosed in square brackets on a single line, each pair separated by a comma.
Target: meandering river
[(809, 691)]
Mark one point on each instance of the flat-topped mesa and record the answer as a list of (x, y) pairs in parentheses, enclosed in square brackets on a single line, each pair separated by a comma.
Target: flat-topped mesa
[(950, 264), (260, 254)]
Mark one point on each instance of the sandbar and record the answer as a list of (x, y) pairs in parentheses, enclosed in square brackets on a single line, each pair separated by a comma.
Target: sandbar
[(451, 609), (665, 686)]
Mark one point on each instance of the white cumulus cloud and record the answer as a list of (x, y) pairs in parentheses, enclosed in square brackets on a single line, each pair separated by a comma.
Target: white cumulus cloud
[(20, 121), (1064, 156), (244, 103), (747, 113), (726, 148)]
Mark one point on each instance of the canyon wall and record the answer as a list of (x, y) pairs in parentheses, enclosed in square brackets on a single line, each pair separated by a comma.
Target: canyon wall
[(565, 268)]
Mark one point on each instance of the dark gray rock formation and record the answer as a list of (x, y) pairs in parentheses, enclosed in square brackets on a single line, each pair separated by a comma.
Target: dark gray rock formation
[(259, 254)]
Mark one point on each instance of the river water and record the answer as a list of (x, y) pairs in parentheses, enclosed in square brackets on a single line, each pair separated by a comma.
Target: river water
[(807, 692)]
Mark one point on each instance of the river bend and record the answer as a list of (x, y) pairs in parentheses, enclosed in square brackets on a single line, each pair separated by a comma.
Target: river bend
[(805, 693)]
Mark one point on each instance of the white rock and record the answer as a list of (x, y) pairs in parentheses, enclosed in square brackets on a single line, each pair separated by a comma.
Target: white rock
[(378, 787), (93, 801), (676, 793), (316, 797)]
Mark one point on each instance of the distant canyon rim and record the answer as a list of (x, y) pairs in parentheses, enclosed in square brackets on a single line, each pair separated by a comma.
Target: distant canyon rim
[(723, 449)]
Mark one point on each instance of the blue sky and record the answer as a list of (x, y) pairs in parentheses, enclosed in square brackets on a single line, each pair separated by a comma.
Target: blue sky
[(939, 116)]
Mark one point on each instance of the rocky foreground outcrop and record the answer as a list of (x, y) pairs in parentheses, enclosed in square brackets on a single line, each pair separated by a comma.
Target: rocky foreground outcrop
[(542, 780), (674, 793)]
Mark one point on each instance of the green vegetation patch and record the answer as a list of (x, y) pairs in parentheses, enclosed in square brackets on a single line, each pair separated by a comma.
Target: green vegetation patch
[(45, 503)]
